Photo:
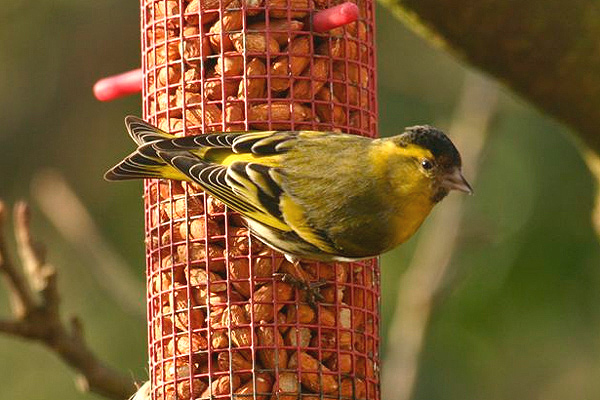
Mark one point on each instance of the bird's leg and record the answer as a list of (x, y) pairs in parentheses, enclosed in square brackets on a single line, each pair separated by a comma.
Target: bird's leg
[(313, 293), (295, 275)]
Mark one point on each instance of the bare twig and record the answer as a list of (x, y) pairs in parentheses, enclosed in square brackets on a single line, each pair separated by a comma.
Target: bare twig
[(20, 295), (424, 276), (36, 312), (63, 208)]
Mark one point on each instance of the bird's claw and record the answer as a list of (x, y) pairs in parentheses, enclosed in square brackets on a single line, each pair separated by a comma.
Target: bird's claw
[(312, 289)]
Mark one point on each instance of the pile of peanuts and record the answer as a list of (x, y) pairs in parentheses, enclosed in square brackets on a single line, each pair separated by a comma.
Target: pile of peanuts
[(221, 69), (223, 323), (226, 320)]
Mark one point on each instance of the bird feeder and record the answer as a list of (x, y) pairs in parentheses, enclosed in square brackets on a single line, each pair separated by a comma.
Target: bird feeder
[(227, 318)]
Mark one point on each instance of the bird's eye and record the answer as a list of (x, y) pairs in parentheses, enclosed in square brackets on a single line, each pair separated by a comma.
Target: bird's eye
[(426, 164)]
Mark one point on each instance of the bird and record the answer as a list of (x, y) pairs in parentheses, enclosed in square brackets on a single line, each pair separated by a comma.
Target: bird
[(312, 195)]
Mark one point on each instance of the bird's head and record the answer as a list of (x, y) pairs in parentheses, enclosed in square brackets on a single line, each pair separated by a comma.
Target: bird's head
[(432, 161)]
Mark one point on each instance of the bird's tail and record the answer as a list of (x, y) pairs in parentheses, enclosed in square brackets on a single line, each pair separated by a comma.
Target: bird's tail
[(144, 162), (142, 132)]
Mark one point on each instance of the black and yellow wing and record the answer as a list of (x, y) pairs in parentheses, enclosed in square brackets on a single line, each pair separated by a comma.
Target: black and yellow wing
[(242, 169)]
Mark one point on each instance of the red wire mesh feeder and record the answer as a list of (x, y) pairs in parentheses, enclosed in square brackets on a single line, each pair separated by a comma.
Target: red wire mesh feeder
[(222, 324)]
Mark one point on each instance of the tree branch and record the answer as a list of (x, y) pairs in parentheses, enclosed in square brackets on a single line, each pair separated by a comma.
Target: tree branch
[(20, 295), (548, 51), (36, 312)]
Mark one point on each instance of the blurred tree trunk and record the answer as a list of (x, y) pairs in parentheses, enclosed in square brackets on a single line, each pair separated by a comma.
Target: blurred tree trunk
[(546, 50)]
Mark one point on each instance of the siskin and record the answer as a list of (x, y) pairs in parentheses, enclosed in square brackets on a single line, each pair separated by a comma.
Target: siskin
[(312, 195)]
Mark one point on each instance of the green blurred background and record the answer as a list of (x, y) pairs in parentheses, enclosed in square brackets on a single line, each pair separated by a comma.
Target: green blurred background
[(520, 316)]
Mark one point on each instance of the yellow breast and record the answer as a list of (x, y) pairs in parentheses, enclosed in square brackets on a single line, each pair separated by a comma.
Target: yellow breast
[(410, 191), (410, 217)]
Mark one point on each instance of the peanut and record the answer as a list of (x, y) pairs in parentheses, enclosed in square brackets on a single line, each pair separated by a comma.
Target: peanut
[(254, 43), (300, 314), (329, 111), (200, 228), (340, 362), (263, 386), (321, 380), (286, 387), (252, 6), (255, 87), (168, 75), (283, 8), (176, 208), (234, 116), (271, 353), (281, 30), (208, 10), (298, 337), (165, 9), (237, 360), (183, 345), (281, 115), (230, 64), (214, 206), (171, 125), (241, 334), (239, 274), (214, 84), (190, 100), (193, 48), (163, 53), (219, 340), (291, 65), (219, 32), (267, 300), (316, 77), (221, 386), (212, 115), (199, 277), (353, 388)]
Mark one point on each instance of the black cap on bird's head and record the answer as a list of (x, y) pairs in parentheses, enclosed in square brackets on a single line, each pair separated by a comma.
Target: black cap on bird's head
[(447, 161), (436, 141)]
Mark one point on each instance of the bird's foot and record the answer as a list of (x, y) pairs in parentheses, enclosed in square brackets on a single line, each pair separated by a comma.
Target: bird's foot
[(303, 283)]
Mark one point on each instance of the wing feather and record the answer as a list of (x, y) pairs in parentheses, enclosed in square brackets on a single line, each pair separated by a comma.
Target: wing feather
[(270, 142), (252, 182), (234, 189), (142, 163), (260, 175), (295, 217), (244, 143), (212, 140), (142, 132)]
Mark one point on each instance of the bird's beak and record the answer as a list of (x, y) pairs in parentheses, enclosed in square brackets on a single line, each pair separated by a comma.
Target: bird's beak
[(456, 181)]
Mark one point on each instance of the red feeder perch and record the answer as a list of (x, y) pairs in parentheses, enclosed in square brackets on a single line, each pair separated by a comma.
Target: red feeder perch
[(117, 86), (335, 17), (221, 325)]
